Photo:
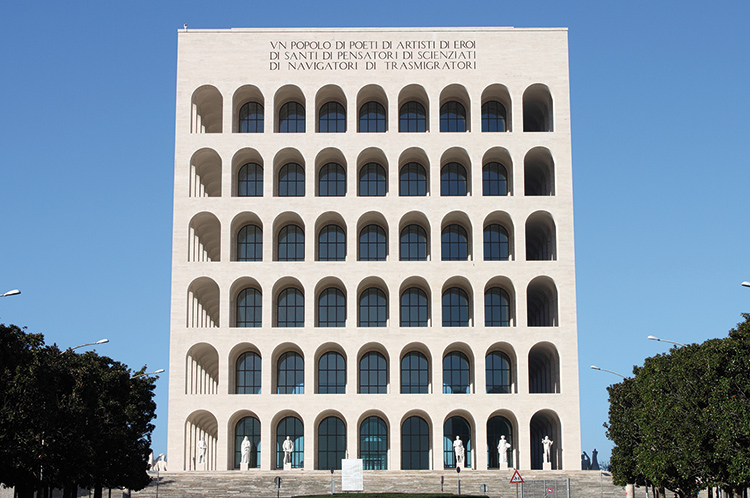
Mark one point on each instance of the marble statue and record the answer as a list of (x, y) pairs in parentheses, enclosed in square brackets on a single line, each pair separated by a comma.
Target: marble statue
[(245, 450), (288, 448), (202, 446), (547, 443), (502, 450), (458, 449), (161, 463), (151, 460)]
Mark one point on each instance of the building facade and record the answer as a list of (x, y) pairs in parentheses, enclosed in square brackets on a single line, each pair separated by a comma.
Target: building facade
[(373, 248)]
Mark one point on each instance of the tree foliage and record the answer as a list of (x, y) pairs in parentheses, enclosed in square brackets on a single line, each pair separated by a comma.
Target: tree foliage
[(70, 419), (683, 421)]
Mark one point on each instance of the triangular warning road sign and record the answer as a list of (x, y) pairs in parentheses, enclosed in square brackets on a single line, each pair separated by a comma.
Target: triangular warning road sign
[(516, 479)]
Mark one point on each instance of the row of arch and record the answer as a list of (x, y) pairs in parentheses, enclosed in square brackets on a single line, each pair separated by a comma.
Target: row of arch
[(330, 168), (373, 372), (374, 303), (331, 107), (327, 439), (330, 243)]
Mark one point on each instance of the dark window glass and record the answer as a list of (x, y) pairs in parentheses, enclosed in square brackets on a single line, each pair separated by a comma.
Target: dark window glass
[(291, 374), (292, 180), (332, 181), (454, 244), (414, 311), (493, 116), (331, 374), (415, 444), (247, 427), (496, 308), (496, 427), (453, 180), (496, 247), (372, 118), (373, 444), (452, 117), (292, 428), (251, 118), (291, 308), (331, 443), (494, 179), (332, 118), (498, 372), (331, 308), (455, 308), (456, 427), (250, 180), (412, 118), (455, 373), (373, 374), (291, 244), (373, 308), (413, 244), (332, 244), (292, 118), (372, 181), (250, 243), (415, 374), (248, 374), (413, 180), (249, 308), (372, 244)]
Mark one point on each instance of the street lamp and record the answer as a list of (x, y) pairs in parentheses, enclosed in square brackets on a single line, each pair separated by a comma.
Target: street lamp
[(15, 292), (653, 338), (746, 284), (594, 367), (161, 370), (101, 341)]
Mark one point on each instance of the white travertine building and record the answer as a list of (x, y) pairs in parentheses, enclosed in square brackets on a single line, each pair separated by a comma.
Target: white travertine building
[(373, 248)]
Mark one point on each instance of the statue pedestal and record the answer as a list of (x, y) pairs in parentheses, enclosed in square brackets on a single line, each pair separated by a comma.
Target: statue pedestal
[(287, 465), (547, 466), (244, 466), (504, 466)]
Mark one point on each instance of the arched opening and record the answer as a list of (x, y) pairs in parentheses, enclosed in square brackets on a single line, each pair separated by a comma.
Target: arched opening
[(545, 424), (290, 428), (544, 369), (247, 427), (372, 104), (203, 304), (537, 108), (413, 105), (496, 106), (541, 303), (331, 104), (373, 443), (499, 429), (206, 110), (539, 173), (204, 238), (415, 444), (331, 443), (248, 107), (457, 441), (205, 174), (541, 243), (201, 438), (202, 370)]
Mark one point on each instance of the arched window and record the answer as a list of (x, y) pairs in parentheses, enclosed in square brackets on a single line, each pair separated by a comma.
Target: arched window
[(291, 374), (494, 179), (372, 181), (372, 118), (496, 247), (331, 374), (453, 180), (413, 180), (292, 428), (496, 427), (331, 443), (331, 308), (454, 244), (332, 181), (247, 427), (291, 308), (455, 308), (332, 118), (414, 311), (413, 244), (493, 116), (412, 118), (250, 180), (248, 374), (249, 308), (415, 373), (415, 444), (291, 244), (452, 117), (292, 118), (496, 308), (373, 444), (373, 374), (251, 118), (456, 373), (292, 180), (250, 243), (498, 373), (456, 427), (373, 308), (332, 244), (372, 244)]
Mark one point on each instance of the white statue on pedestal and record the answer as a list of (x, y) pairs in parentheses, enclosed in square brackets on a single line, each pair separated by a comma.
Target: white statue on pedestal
[(547, 443), (288, 448), (161, 463), (458, 450), (202, 446), (502, 450), (245, 451)]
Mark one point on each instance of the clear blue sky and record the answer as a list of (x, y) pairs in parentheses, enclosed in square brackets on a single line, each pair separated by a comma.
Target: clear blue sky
[(661, 120)]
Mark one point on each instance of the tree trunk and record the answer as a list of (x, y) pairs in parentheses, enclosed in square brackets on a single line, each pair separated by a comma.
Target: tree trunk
[(98, 491)]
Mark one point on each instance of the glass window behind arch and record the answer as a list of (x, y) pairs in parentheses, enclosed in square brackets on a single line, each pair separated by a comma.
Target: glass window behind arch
[(372, 118), (493, 116), (250, 180), (412, 180), (292, 118), (372, 180), (412, 118), (452, 117), (494, 179), (332, 118), (251, 118)]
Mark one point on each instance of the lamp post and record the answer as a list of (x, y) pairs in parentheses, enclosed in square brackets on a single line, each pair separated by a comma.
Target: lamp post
[(16, 292), (653, 338), (101, 341), (745, 284), (161, 370), (594, 367)]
